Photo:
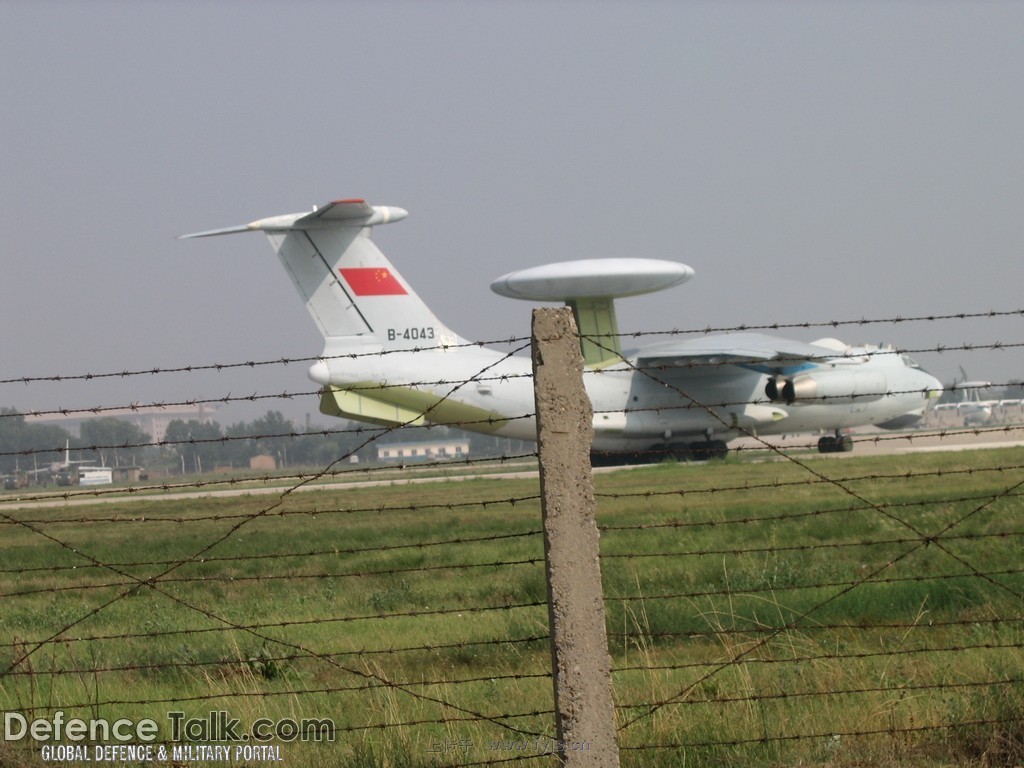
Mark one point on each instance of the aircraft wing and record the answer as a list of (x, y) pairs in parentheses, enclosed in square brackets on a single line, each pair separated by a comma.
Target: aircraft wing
[(768, 354)]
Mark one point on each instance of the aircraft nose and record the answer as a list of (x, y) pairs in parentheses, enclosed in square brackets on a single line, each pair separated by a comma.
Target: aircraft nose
[(933, 388)]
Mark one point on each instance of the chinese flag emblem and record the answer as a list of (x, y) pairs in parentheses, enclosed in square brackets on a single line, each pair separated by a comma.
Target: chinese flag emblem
[(372, 281)]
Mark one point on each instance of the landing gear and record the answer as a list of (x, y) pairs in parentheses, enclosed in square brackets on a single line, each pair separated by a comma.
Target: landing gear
[(838, 443), (702, 450), (706, 450)]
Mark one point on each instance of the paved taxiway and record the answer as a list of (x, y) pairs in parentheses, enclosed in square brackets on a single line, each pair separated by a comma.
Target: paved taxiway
[(867, 444)]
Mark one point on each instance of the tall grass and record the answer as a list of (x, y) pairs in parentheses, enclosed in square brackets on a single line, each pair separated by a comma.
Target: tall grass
[(755, 617)]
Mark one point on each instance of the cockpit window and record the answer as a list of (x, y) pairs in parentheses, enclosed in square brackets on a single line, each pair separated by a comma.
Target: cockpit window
[(910, 362)]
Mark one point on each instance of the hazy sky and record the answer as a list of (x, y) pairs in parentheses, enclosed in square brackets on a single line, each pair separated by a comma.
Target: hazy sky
[(811, 160)]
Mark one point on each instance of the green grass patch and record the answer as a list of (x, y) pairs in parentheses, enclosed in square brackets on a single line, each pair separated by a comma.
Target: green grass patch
[(854, 612)]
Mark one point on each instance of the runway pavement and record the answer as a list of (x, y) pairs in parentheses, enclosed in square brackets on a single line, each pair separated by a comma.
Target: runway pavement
[(881, 442), (866, 443)]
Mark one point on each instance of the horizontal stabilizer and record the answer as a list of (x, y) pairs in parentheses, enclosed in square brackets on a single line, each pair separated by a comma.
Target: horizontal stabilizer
[(215, 232), (351, 405), (340, 213), (397, 406), (348, 213)]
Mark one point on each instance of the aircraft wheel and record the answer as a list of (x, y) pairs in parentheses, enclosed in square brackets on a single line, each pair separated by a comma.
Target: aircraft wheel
[(844, 444), (603, 459), (698, 451), (719, 449), (705, 450), (827, 444), (680, 452)]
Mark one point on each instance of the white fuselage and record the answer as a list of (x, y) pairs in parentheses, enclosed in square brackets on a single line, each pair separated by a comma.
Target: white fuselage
[(389, 360), (637, 408)]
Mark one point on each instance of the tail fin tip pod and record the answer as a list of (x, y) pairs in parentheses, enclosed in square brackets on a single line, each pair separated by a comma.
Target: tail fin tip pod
[(352, 291), (354, 212)]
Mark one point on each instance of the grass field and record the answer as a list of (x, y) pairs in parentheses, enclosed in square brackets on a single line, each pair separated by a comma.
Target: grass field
[(858, 612)]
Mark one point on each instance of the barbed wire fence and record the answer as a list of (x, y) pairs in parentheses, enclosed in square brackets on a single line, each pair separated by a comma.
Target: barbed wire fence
[(773, 608)]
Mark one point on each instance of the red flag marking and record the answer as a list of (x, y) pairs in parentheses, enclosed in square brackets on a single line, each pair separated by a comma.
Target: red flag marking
[(372, 281)]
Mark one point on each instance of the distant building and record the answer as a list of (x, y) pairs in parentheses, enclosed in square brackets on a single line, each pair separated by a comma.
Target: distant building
[(435, 450), (263, 462), (95, 476)]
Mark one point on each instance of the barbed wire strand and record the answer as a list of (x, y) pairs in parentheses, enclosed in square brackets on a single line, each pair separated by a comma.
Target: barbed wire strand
[(153, 581)]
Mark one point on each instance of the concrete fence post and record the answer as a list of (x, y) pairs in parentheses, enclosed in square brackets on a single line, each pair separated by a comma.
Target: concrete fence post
[(581, 666)]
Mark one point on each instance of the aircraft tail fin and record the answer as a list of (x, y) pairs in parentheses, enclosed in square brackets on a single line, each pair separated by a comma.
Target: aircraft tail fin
[(352, 291)]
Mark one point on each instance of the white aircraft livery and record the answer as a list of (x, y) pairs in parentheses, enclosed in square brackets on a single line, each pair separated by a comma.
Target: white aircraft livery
[(388, 360)]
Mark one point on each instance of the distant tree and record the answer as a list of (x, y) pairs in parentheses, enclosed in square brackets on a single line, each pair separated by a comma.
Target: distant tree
[(116, 441), (1012, 390), (272, 433), (237, 449), (28, 446), (199, 445), (47, 443), (331, 444), (12, 438)]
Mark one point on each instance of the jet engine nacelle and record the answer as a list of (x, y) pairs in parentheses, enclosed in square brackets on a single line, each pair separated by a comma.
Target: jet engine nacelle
[(827, 387)]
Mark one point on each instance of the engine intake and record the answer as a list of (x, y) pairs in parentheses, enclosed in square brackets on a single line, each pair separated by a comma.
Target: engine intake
[(827, 387)]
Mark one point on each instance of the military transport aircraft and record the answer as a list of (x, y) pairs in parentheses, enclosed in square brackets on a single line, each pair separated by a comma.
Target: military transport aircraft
[(388, 360)]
